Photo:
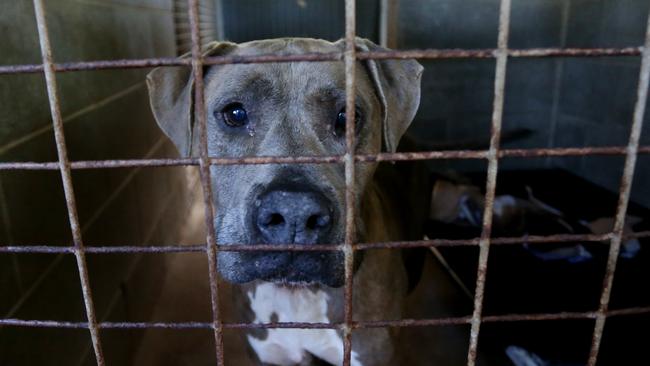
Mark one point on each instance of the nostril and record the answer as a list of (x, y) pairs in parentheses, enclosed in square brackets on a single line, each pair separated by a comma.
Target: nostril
[(317, 222), (311, 222), (274, 219)]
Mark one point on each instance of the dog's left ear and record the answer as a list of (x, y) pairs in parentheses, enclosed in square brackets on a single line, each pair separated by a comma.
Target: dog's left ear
[(398, 87), (171, 95)]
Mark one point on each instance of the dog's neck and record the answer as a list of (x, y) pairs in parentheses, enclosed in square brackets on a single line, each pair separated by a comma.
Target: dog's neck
[(272, 303)]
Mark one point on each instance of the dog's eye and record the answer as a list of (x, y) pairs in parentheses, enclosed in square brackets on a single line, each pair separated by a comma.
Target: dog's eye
[(341, 121), (234, 115)]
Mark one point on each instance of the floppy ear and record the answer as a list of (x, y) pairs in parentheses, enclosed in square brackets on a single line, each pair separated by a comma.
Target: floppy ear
[(171, 95), (398, 87)]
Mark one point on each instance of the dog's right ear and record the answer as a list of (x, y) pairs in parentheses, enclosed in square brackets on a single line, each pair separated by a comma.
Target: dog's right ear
[(171, 95), (397, 83)]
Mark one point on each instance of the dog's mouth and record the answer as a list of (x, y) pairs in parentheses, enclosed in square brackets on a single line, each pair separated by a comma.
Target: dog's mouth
[(289, 210), (297, 268)]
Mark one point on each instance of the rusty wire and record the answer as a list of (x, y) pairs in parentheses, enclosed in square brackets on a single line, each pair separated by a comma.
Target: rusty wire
[(446, 321), (66, 178), (493, 167), (624, 197), (431, 243), (350, 60), (428, 54), (349, 57), (332, 159), (204, 170)]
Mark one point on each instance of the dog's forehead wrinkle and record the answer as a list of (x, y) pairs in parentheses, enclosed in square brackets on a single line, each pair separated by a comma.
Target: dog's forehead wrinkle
[(228, 83)]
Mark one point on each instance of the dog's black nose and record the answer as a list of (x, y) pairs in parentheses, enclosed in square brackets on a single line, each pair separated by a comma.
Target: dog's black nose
[(286, 217)]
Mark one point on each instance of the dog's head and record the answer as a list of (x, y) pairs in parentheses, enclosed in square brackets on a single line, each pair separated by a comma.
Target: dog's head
[(286, 109)]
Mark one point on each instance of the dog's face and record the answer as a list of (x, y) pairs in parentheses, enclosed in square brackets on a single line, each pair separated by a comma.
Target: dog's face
[(286, 109)]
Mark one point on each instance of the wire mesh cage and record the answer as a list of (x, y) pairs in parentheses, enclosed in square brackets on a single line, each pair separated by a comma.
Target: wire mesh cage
[(502, 54)]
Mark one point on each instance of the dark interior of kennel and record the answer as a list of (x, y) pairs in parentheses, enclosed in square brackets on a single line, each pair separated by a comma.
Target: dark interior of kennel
[(559, 102)]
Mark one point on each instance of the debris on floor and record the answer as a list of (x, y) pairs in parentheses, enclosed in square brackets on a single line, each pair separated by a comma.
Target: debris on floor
[(521, 357), (463, 205), (546, 277)]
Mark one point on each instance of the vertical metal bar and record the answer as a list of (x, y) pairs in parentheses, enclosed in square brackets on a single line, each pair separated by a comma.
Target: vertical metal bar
[(66, 177), (350, 90), (624, 197), (388, 15), (557, 80), (220, 27), (493, 167), (204, 169)]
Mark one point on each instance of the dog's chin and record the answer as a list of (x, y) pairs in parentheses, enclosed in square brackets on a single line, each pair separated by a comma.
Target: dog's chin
[(300, 280), (289, 268)]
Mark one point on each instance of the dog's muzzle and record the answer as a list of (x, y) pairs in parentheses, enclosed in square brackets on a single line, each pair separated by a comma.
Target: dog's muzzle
[(294, 215)]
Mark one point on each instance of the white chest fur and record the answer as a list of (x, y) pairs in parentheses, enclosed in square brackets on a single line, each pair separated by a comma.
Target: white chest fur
[(290, 346)]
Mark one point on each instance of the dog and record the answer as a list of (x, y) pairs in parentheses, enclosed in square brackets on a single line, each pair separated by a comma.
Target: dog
[(298, 109)]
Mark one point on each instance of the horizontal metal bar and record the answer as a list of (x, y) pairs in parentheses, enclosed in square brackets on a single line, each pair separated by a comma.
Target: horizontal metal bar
[(537, 239), (559, 238), (627, 311), (97, 65), (539, 317), (531, 239), (491, 53), (402, 323), (638, 234), (42, 323), (463, 320), (576, 52), (101, 164), (423, 155), (155, 325), (427, 54), (332, 159), (41, 249), (283, 325), (21, 69), (568, 151), (136, 163)]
